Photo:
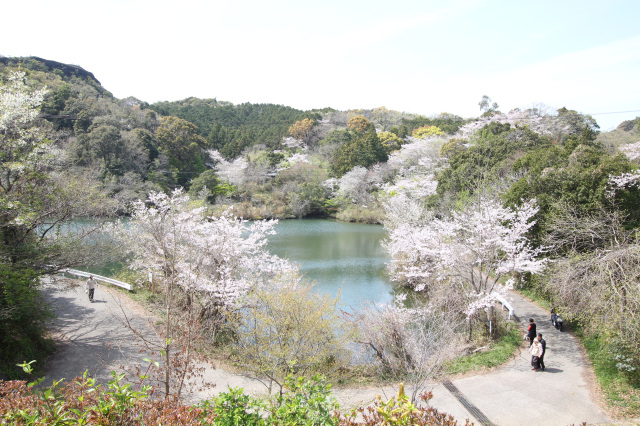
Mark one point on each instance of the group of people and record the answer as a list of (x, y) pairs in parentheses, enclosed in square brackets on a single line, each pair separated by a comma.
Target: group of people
[(537, 346)]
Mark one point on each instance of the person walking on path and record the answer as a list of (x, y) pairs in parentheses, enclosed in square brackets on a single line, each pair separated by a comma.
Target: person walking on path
[(543, 343), (531, 331), (536, 352), (559, 322), (90, 287)]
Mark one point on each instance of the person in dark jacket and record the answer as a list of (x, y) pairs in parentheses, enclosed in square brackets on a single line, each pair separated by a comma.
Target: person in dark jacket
[(531, 331), (543, 343), (559, 322)]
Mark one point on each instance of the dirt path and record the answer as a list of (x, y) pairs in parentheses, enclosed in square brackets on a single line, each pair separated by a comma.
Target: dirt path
[(91, 337)]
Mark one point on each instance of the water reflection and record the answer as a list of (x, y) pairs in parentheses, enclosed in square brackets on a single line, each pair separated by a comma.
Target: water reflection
[(339, 256)]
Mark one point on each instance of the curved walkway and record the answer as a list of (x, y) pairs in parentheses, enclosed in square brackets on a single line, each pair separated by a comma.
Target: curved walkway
[(515, 395), (90, 337)]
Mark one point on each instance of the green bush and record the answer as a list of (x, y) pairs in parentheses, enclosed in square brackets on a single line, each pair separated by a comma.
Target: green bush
[(307, 402), (621, 389), (234, 408), (23, 316)]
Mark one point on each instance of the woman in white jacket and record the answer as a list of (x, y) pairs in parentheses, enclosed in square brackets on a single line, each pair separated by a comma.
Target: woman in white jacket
[(536, 352)]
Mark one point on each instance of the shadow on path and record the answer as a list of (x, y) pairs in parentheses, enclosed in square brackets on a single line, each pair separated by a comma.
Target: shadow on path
[(91, 337), (513, 394)]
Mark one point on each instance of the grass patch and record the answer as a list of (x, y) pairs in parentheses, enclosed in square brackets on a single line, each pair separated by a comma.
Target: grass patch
[(148, 299), (621, 391), (500, 352)]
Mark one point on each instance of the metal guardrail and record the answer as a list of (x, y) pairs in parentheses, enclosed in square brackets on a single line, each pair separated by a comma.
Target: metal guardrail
[(98, 277), (506, 304)]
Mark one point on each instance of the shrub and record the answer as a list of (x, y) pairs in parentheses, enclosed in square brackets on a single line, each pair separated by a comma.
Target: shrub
[(400, 411), (307, 402), (23, 315), (292, 330)]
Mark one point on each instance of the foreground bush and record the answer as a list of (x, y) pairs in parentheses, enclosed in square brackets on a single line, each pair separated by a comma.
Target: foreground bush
[(23, 319), (83, 402), (400, 411)]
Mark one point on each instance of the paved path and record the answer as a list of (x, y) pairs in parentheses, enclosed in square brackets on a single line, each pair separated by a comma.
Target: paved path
[(515, 395), (91, 337)]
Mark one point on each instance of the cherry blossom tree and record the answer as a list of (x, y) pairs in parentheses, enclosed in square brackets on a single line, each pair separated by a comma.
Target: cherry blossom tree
[(25, 153), (354, 185), (38, 199), (623, 181), (219, 259), (415, 166), (460, 258), (234, 172), (467, 255), (555, 125), (292, 160), (211, 263), (404, 210), (293, 143), (416, 187), (631, 150), (417, 157)]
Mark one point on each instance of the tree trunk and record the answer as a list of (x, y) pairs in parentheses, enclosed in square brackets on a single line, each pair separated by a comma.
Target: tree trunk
[(167, 343)]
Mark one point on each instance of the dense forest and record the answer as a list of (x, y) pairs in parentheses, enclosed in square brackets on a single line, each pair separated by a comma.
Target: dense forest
[(547, 202)]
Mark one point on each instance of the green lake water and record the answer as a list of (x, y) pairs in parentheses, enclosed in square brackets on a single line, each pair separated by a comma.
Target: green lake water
[(340, 257)]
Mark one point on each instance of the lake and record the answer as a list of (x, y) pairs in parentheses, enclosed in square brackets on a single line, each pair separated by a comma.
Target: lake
[(338, 256)]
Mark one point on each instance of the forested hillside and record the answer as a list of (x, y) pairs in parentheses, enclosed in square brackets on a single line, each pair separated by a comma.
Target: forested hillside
[(230, 128), (131, 147), (533, 198)]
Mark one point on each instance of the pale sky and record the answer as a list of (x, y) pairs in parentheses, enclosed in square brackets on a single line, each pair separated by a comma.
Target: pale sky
[(418, 56)]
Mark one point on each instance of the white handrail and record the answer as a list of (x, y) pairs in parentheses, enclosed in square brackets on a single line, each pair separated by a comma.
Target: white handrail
[(98, 277), (506, 304)]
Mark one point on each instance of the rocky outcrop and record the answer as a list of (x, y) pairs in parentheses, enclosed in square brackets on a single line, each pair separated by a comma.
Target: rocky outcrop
[(36, 63)]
